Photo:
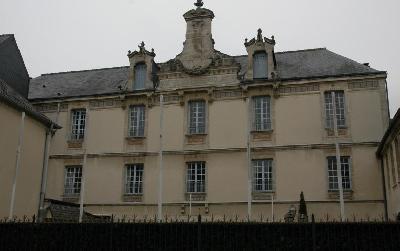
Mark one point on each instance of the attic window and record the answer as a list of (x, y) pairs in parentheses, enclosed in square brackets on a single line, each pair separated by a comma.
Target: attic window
[(260, 67), (140, 76)]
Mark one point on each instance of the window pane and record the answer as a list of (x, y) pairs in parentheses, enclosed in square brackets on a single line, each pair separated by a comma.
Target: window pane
[(73, 179), (134, 179), (260, 65), (136, 121), (78, 124), (262, 113), (340, 109), (262, 175), (140, 76), (332, 173), (195, 177), (197, 119)]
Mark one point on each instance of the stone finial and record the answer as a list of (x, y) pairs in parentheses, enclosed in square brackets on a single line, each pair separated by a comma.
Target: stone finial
[(199, 3), (141, 46), (259, 35)]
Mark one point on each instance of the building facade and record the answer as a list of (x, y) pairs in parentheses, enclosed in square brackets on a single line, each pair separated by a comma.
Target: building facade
[(23, 136), (220, 135), (389, 155)]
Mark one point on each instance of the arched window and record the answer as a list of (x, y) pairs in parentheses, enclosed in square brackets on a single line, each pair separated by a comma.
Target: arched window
[(260, 67), (140, 76)]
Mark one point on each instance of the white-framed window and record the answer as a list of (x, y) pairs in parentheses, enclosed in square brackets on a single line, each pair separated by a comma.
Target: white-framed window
[(332, 173), (78, 124), (340, 109), (262, 113), (136, 121), (260, 66), (140, 76), (397, 150), (134, 179), (73, 180), (262, 175), (197, 117), (196, 177)]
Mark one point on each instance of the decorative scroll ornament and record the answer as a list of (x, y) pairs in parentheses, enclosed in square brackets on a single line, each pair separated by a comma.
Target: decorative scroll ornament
[(199, 3)]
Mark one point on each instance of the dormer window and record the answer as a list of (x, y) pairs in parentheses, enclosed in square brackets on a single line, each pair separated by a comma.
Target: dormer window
[(260, 68), (140, 76)]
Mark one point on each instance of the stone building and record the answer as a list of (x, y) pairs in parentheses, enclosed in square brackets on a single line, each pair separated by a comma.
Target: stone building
[(240, 135), (389, 155), (24, 134)]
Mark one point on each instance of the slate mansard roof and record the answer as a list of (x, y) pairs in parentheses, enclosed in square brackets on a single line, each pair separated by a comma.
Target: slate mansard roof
[(291, 65)]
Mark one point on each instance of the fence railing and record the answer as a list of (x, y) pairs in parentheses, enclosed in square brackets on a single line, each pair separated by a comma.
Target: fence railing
[(200, 235)]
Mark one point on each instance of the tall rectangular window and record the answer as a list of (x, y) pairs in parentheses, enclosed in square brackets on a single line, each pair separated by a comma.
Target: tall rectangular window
[(340, 109), (78, 124), (260, 69), (136, 121), (262, 175), (392, 167), (140, 76), (397, 149), (262, 113), (332, 173), (73, 180), (197, 117), (196, 177), (134, 179)]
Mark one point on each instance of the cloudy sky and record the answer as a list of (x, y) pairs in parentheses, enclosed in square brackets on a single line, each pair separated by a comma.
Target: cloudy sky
[(59, 35)]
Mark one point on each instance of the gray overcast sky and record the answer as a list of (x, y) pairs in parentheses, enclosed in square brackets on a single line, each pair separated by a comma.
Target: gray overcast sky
[(55, 35)]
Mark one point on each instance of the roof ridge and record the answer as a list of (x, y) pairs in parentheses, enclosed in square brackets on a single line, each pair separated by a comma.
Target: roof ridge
[(281, 52), (98, 69), (313, 49)]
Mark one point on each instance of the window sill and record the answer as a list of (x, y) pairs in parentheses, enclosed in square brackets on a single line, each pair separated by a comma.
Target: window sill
[(196, 196), (132, 197), (71, 197), (262, 135), (261, 195), (75, 143), (135, 140), (334, 194), (342, 131), (196, 139)]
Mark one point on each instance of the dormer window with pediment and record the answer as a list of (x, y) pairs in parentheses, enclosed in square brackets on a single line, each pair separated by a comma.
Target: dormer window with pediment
[(261, 58), (142, 68)]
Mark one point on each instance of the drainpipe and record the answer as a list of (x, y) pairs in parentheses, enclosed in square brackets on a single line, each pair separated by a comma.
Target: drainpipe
[(46, 153), (44, 173), (17, 164), (384, 189)]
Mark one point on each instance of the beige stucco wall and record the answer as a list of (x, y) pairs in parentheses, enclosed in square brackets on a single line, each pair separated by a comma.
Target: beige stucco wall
[(299, 145), (30, 171)]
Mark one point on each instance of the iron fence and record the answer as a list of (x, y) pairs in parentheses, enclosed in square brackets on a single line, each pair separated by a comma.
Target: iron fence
[(200, 235)]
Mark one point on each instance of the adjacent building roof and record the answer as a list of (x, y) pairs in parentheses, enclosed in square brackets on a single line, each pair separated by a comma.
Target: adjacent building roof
[(393, 129), (12, 66), (14, 99), (291, 65), (66, 212)]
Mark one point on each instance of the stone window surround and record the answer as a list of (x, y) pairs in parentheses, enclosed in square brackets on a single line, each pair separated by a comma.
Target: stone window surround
[(330, 190), (343, 132), (266, 135), (132, 197), (136, 101), (76, 143), (196, 139)]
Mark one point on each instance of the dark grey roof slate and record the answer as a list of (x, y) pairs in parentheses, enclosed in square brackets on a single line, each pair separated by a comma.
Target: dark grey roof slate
[(14, 99), (79, 83), (302, 64), (313, 63)]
